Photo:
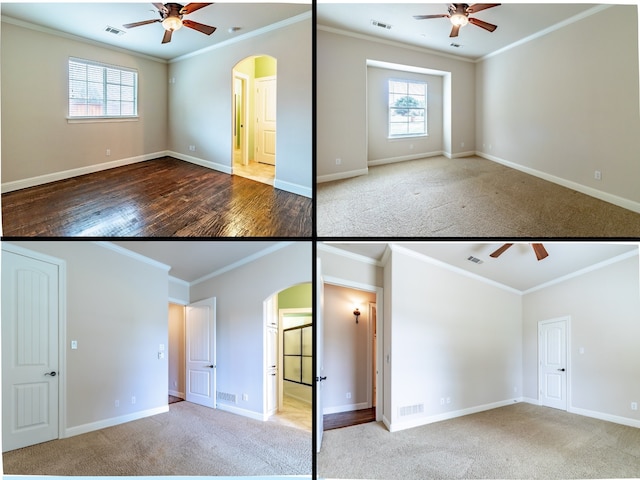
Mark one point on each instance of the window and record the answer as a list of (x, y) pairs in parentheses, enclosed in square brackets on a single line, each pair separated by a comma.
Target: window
[(297, 348), (97, 90), (407, 108)]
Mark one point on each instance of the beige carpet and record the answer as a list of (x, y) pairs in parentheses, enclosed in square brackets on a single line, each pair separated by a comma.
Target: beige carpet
[(517, 441), (464, 197), (188, 440)]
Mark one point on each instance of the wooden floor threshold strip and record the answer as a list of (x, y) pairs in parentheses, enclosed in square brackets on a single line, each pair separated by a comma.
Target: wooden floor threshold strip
[(348, 419)]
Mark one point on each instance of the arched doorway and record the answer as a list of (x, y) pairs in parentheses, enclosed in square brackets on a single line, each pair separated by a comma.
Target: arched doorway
[(288, 361), (254, 118)]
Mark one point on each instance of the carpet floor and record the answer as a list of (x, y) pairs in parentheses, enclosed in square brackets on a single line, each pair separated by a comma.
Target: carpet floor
[(517, 441), (188, 440), (464, 197)]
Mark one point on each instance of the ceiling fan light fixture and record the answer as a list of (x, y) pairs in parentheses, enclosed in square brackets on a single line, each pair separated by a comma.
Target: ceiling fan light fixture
[(172, 23), (459, 19)]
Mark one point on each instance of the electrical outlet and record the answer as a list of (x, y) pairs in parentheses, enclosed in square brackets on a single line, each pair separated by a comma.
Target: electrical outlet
[(442, 401), (74, 344), (338, 161), (634, 405), (192, 148), (108, 152), (245, 397), (448, 399), (117, 403), (348, 394), (462, 144), (133, 400), (597, 175)]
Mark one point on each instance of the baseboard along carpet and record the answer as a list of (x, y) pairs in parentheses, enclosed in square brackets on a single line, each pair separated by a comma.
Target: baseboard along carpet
[(188, 440), (518, 441), (463, 197)]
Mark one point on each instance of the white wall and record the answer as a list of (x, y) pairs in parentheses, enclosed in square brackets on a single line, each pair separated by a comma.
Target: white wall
[(346, 362), (36, 138), (604, 306), (200, 103), (117, 311), (381, 148), (342, 99), (452, 336), (566, 104), (240, 294)]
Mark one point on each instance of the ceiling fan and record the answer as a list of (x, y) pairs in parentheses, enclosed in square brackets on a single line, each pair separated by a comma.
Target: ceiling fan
[(459, 16), (171, 18), (538, 248)]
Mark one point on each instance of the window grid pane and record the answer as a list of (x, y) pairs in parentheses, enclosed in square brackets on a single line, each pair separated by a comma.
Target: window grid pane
[(97, 90), (407, 108)]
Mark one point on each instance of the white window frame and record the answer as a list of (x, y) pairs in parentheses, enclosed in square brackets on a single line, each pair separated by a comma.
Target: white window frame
[(390, 108), (103, 116)]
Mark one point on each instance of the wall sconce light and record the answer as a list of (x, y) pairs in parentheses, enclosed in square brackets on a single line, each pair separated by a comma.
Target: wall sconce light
[(356, 313)]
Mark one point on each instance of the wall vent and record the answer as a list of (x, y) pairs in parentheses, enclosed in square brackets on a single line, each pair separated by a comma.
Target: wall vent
[(475, 260), (376, 23), (411, 410), (114, 30), (227, 397), (456, 45)]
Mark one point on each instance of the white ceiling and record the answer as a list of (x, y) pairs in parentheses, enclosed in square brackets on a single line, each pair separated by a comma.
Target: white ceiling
[(516, 268), (89, 19), (191, 261), (515, 22)]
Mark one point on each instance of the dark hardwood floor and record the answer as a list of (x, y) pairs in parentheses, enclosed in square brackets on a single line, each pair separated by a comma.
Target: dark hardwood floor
[(157, 198), (348, 419)]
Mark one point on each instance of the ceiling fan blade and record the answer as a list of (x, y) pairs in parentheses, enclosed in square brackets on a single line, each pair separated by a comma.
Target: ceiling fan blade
[(138, 24), (167, 36), (501, 250), (206, 29), (541, 252), (479, 23), (425, 17), (477, 7), (161, 7), (454, 31), (192, 7)]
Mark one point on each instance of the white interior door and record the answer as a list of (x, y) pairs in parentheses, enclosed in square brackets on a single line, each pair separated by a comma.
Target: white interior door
[(30, 375), (266, 120), (319, 356), (553, 363), (200, 334)]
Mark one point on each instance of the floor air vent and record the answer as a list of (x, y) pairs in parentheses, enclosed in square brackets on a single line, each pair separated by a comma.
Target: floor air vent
[(475, 260), (227, 397), (411, 410), (114, 30)]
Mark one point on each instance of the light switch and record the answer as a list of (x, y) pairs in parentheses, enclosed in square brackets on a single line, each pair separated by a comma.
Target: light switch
[(581, 350), (160, 355), (74, 344), (161, 347)]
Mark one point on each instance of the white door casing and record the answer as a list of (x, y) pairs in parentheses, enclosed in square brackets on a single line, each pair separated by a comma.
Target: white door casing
[(32, 309), (319, 423), (240, 115), (266, 120), (272, 370), (200, 334), (553, 363)]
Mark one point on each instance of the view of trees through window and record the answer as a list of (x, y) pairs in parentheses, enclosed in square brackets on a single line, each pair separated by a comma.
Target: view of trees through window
[(407, 108)]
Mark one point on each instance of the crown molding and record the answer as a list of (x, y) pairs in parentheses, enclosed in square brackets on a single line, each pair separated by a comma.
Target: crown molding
[(131, 254), (77, 38)]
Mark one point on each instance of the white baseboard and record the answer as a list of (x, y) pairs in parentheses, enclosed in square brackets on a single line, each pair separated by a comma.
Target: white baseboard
[(203, 163), (386, 422), (293, 188), (404, 158), (241, 411), (461, 154), (532, 401), (599, 194), (175, 393), (419, 421), (345, 408), (75, 172), (630, 422), (342, 175), (111, 422)]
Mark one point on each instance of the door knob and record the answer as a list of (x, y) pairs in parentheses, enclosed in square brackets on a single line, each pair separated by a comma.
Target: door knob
[(52, 374), (209, 366), (319, 379), (561, 369)]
